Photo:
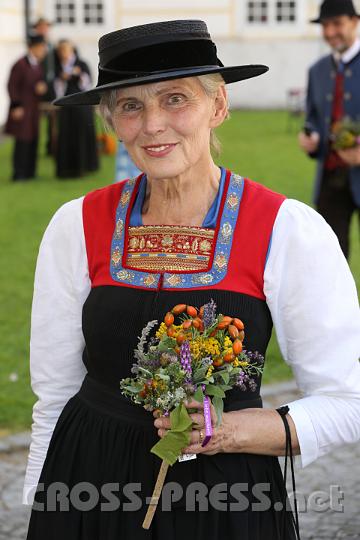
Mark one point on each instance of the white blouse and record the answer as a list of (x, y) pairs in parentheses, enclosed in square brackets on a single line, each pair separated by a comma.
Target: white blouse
[(313, 302)]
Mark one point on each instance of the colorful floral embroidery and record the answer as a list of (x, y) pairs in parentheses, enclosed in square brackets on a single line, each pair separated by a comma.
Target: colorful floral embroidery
[(184, 249), (149, 280), (173, 280), (125, 198), (232, 201)]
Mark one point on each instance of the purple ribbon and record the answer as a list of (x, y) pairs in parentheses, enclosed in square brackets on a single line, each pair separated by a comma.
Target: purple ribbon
[(208, 424)]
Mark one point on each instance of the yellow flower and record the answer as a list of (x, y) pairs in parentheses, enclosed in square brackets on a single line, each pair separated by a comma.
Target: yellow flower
[(177, 328), (227, 342), (212, 346), (195, 347), (161, 331), (242, 363), (236, 363), (209, 372)]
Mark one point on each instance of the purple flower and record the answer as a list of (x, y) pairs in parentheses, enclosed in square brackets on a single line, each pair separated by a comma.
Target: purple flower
[(252, 385), (241, 380), (185, 359), (254, 357), (209, 313)]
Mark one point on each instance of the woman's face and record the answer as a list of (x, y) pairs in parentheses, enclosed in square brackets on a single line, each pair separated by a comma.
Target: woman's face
[(65, 51), (166, 126)]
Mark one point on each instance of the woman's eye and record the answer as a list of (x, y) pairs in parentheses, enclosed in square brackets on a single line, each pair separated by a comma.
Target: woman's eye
[(176, 99), (131, 106)]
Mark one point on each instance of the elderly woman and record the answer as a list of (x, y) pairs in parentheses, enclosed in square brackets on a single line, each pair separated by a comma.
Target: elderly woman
[(123, 255)]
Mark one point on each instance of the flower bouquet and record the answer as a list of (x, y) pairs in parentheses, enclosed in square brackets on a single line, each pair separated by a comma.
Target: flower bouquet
[(200, 356), (345, 134)]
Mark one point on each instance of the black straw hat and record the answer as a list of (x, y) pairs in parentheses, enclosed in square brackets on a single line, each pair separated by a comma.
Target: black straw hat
[(335, 8), (157, 52), (33, 39)]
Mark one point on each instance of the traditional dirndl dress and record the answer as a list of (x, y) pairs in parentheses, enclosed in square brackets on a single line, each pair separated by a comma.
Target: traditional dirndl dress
[(100, 447)]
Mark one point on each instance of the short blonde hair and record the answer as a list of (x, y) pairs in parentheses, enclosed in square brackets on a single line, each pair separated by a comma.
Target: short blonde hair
[(210, 84)]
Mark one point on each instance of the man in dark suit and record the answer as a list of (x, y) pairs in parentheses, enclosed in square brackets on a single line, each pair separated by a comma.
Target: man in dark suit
[(333, 94), (26, 86)]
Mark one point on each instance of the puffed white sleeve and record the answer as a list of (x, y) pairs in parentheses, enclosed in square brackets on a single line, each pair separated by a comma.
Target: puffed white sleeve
[(313, 301), (56, 342)]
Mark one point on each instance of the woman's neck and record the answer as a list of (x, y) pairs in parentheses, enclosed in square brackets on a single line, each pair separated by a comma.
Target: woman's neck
[(183, 200)]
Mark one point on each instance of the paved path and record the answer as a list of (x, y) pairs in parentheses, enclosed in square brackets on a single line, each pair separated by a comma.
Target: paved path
[(340, 468)]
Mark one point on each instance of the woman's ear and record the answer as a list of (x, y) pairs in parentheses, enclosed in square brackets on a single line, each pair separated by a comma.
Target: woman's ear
[(220, 111)]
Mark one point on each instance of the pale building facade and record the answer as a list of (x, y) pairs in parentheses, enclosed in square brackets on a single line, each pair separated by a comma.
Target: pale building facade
[(272, 32)]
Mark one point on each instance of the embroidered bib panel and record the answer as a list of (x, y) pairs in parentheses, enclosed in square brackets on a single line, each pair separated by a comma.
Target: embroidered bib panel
[(168, 248)]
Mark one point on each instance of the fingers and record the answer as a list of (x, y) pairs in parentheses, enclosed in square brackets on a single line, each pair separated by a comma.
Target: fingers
[(192, 404), (309, 143), (198, 420)]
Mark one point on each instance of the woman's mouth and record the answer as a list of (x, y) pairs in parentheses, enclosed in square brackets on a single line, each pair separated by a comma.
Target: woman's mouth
[(159, 150)]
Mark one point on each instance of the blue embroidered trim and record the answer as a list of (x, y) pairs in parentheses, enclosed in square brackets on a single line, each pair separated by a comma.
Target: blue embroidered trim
[(178, 280)]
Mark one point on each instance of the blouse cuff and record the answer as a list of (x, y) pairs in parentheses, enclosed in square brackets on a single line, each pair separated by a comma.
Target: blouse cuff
[(308, 442)]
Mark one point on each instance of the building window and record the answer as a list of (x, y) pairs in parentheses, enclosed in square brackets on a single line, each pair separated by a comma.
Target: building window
[(286, 11), (258, 12), (93, 12), (65, 12)]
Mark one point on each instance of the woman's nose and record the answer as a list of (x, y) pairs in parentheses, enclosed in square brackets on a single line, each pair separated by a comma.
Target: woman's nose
[(154, 120)]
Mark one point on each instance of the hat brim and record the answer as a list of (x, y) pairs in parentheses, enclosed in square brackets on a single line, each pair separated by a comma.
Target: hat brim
[(230, 74), (319, 21)]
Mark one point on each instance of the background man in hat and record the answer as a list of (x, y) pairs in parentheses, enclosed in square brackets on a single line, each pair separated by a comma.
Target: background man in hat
[(333, 93), (25, 87)]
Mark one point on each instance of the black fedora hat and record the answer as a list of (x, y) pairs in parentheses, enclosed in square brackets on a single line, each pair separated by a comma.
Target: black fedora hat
[(34, 39), (335, 8), (157, 52)]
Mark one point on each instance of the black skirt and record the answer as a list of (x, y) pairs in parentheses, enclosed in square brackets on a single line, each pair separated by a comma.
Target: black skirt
[(99, 474), (77, 152)]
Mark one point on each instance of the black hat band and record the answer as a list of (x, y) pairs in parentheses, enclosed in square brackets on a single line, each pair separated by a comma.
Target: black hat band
[(157, 58)]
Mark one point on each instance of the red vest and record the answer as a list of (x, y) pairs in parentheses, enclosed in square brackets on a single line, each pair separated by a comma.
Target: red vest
[(251, 236)]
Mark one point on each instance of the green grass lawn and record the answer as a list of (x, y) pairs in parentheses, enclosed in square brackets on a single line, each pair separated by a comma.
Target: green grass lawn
[(256, 144)]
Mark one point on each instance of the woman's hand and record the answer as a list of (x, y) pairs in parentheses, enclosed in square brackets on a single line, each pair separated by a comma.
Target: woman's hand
[(76, 71), (17, 113), (222, 439), (309, 143), (351, 156), (41, 88)]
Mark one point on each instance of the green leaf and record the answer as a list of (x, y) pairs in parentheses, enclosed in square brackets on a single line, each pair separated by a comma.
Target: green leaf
[(146, 371), (166, 344), (132, 389), (169, 448), (199, 395), (213, 390), (200, 373), (219, 408), (224, 375)]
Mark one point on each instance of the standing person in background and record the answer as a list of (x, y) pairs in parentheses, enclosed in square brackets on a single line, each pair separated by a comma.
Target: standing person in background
[(42, 27), (333, 94), (76, 152), (25, 87), (124, 166)]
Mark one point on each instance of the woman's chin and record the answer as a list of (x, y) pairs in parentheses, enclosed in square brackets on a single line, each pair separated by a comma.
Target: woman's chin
[(163, 170)]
